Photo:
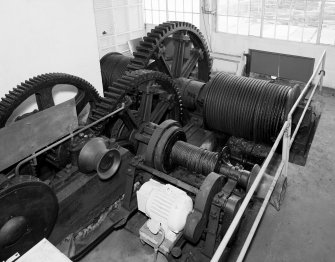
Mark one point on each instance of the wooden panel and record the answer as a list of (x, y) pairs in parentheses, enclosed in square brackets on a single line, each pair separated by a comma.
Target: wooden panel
[(34, 132)]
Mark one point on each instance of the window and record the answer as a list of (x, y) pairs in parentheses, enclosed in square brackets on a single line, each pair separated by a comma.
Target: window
[(159, 11), (310, 21)]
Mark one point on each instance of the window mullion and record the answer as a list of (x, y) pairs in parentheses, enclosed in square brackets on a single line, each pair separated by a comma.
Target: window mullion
[(262, 17), (322, 10)]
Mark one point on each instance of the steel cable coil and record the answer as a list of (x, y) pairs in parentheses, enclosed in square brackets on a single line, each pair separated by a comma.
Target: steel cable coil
[(113, 66), (193, 158), (245, 107)]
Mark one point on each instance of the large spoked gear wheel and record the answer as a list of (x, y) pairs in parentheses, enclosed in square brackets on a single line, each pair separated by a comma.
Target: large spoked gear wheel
[(41, 91), (155, 98), (177, 49)]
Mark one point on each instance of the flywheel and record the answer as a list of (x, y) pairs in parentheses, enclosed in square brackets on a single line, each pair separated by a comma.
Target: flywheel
[(29, 212)]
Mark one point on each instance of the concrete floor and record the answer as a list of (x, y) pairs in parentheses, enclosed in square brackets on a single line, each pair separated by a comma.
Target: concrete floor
[(304, 228)]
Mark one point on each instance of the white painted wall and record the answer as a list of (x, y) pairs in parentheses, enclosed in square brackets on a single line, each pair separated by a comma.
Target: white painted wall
[(42, 36), (237, 44)]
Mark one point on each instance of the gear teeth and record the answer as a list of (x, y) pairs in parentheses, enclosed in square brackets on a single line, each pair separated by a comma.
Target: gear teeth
[(16, 91), (8, 100), (104, 106), (112, 89), (117, 86), (112, 95), (107, 100), (150, 39), (98, 112), (140, 54), (93, 118), (138, 62), (10, 97), (146, 45), (134, 67)]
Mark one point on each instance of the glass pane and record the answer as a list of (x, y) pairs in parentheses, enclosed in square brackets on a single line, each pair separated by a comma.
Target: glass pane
[(244, 8), (310, 34), (180, 5), (171, 5), (162, 4), (270, 8), (255, 9), (222, 7), (232, 24), (179, 16), (295, 32), (196, 20), (282, 29), (172, 16), (155, 17), (148, 17), (155, 5), (255, 27), (284, 10), (243, 26), (328, 25), (269, 28), (196, 6), (188, 17), (232, 7), (162, 16), (222, 23), (187, 6), (147, 4), (313, 13)]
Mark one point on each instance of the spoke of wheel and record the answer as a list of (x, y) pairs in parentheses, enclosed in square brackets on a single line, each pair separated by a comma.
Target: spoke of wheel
[(144, 111), (178, 55), (128, 119), (163, 66), (191, 63), (159, 112), (81, 101), (44, 98)]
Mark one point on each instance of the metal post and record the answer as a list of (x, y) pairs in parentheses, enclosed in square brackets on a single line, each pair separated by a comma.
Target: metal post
[(286, 145), (322, 71), (321, 15)]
